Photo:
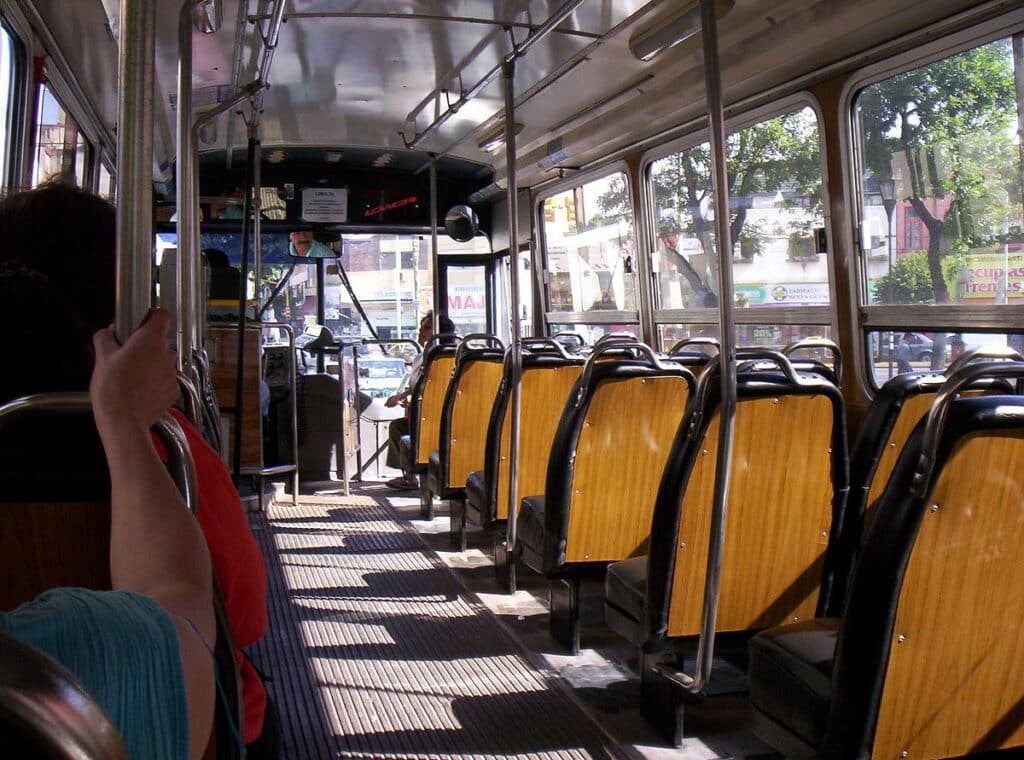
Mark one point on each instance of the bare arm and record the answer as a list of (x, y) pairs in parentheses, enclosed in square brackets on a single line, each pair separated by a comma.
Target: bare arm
[(156, 547)]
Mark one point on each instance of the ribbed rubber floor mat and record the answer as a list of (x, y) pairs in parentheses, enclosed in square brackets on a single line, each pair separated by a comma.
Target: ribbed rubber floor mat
[(377, 651)]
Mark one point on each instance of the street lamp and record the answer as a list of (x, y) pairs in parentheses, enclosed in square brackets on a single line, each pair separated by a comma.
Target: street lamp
[(887, 189)]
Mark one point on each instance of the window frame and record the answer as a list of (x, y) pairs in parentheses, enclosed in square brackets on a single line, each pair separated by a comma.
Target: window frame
[(19, 114), (789, 315), (594, 317), (867, 317)]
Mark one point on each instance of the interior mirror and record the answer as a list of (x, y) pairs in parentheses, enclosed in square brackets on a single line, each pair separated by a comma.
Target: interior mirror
[(461, 224)]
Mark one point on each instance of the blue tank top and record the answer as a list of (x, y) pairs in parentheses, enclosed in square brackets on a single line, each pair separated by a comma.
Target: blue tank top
[(123, 648)]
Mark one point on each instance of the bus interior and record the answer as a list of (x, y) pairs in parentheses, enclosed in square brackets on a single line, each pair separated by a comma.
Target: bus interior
[(631, 516)]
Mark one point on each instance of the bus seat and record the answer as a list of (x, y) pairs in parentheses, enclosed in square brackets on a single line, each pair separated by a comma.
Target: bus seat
[(55, 531), (784, 529), (45, 711), (223, 343), (548, 374), (425, 408), (926, 661), (894, 412), (623, 409), (473, 386)]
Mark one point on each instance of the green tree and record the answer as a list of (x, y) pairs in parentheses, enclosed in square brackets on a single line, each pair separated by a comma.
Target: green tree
[(777, 155), (908, 282), (943, 132)]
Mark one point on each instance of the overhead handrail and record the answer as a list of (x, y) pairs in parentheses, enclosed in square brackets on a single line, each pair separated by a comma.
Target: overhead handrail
[(695, 340), (488, 341), (823, 343), (940, 409), (517, 51)]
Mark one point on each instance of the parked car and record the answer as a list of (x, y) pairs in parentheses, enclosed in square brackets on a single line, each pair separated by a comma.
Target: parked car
[(381, 376), (920, 346)]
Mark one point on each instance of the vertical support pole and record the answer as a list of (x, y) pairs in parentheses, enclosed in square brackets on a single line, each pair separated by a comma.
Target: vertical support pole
[(257, 234), (727, 338), (321, 314), (187, 195), (250, 172), (135, 164), (508, 72), (435, 279)]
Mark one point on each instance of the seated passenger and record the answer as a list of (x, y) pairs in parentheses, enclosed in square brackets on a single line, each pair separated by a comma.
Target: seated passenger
[(62, 240), (143, 650)]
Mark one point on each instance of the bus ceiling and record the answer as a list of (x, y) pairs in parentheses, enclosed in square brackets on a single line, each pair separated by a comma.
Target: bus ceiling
[(612, 74)]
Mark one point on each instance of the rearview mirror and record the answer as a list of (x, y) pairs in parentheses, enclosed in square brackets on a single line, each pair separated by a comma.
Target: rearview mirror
[(461, 224)]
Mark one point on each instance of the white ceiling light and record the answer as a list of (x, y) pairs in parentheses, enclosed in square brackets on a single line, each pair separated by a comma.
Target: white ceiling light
[(494, 140), (648, 43)]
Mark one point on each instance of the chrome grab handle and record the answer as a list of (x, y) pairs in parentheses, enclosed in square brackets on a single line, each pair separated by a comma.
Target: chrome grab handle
[(465, 345), (575, 337), (167, 429), (614, 337), (984, 352), (940, 409), (551, 343), (694, 340), (825, 343), (608, 347)]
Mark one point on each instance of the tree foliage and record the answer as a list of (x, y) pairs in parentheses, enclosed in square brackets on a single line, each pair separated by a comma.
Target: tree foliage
[(908, 282), (780, 155), (943, 132)]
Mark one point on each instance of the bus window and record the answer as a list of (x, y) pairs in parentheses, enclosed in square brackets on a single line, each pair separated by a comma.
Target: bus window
[(940, 190), (777, 204), (589, 250), (747, 335), (594, 332), (61, 150), (7, 92), (106, 183)]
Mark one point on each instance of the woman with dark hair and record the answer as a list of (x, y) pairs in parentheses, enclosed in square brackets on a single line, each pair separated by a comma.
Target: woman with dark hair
[(62, 240)]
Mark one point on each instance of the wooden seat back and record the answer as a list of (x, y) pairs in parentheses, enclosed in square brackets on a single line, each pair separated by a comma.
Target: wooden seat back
[(428, 402), (474, 384), (894, 413), (929, 661), (547, 378), (607, 458), (223, 356), (786, 496)]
